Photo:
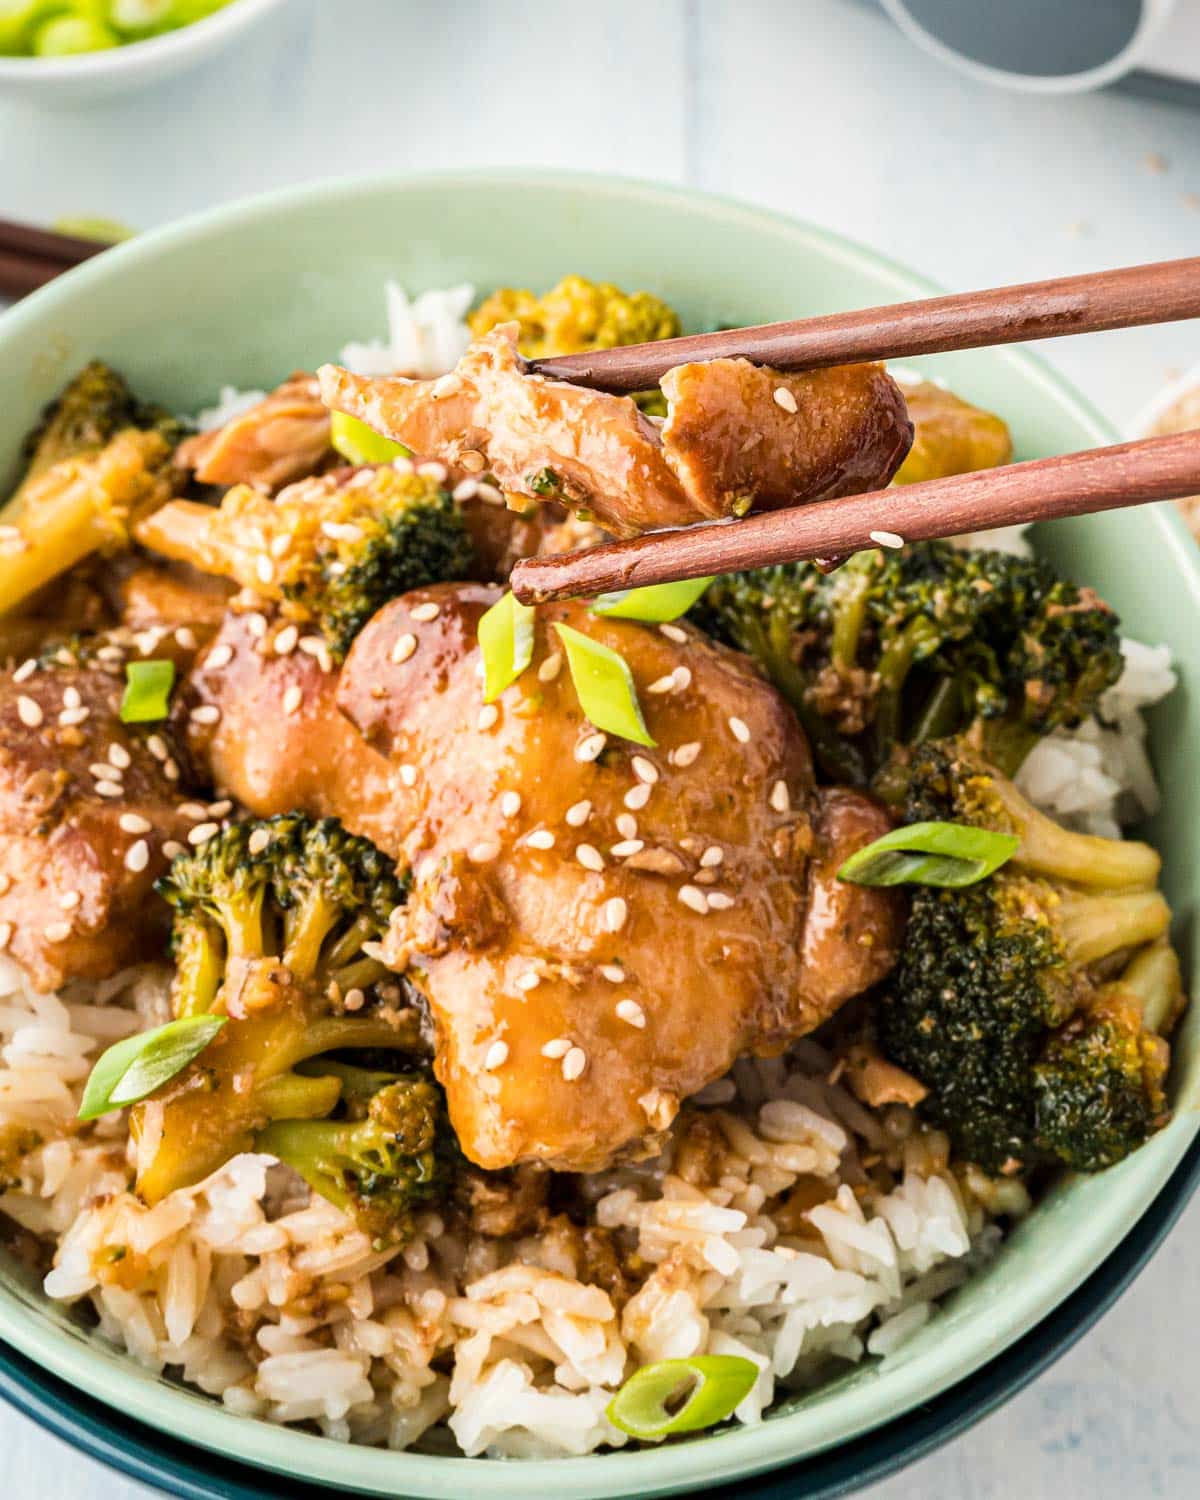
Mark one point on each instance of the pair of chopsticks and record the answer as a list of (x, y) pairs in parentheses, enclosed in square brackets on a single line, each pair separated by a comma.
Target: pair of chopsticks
[(1126, 474), (30, 257)]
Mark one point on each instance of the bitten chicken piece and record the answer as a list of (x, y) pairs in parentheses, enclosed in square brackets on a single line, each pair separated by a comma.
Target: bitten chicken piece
[(728, 443), (283, 438), (87, 805), (601, 928)]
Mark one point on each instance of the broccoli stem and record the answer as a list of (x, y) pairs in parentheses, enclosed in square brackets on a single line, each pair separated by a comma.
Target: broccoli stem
[(1094, 926), (941, 714), (296, 1096), (895, 663), (1153, 978), (1083, 858), (850, 593)]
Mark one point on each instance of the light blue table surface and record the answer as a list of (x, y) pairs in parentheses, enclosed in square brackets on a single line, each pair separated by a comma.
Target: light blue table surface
[(815, 108)]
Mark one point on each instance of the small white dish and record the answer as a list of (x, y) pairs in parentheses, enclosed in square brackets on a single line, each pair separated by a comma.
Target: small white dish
[(67, 81)]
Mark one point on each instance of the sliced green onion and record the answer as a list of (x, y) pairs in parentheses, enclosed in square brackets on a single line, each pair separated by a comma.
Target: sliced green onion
[(85, 227), (147, 694), (68, 36), (942, 854), (656, 604), (135, 1068), (605, 686), (506, 640), (361, 444), (719, 1382)]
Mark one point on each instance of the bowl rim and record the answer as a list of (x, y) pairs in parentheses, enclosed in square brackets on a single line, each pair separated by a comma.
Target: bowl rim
[(110, 62), (725, 1455)]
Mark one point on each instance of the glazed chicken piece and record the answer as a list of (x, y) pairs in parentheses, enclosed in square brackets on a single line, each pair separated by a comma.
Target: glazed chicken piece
[(728, 443), (283, 438), (601, 929), (145, 594), (950, 435), (87, 806)]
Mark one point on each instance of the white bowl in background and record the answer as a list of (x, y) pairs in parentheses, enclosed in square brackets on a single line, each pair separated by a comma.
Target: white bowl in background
[(57, 81)]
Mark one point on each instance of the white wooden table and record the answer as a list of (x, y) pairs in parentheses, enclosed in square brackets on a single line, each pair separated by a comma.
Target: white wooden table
[(815, 108)]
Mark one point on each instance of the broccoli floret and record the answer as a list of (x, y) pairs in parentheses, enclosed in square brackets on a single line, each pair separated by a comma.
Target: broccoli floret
[(387, 1154), (990, 972), (98, 460), (86, 416), (902, 646), (333, 550), (1098, 1084), (578, 315), (274, 923)]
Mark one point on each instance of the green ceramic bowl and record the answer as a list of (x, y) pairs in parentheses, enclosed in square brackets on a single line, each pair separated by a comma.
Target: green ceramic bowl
[(247, 293)]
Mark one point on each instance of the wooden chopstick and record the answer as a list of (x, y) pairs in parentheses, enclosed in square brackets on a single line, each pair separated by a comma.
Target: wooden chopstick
[(30, 257), (1044, 489), (1161, 292)]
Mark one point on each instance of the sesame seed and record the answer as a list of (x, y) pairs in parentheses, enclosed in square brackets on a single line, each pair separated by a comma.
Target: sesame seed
[(28, 712), (172, 849), (354, 999), (578, 813), (637, 797), (220, 809), (467, 489), (132, 822), (209, 713), (292, 699), (590, 747), (490, 494), (137, 856), (285, 641), (193, 810), (109, 789), (112, 654), (632, 1012), (510, 804), (258, 841), (488, 716), (712, 857), (432, 469), (202, 833), (446, 385), (574, 1063), (71, 698), (719, 901), (157, 746), (484, 850), (551, 667), (557, 1048), (783, 397), (614, 973), (186, 638), (256, 624), (627, 825), (402, 464), (589, 856), (314, 646), (6, 932), (102, 771), (408, 775), (779, 799), (25, 670), (529, 980), (69, 900), (886, 538), (674, 633), (471, 460), (497, 1056), (405, 646), (615, 911), (694, 897), (426, 612), (280, 544), (57, 932), (71, 716), (264, 569), (663, 684), (627, 848), (171, 769), (645, 770), (542, 838), (739, 729)]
